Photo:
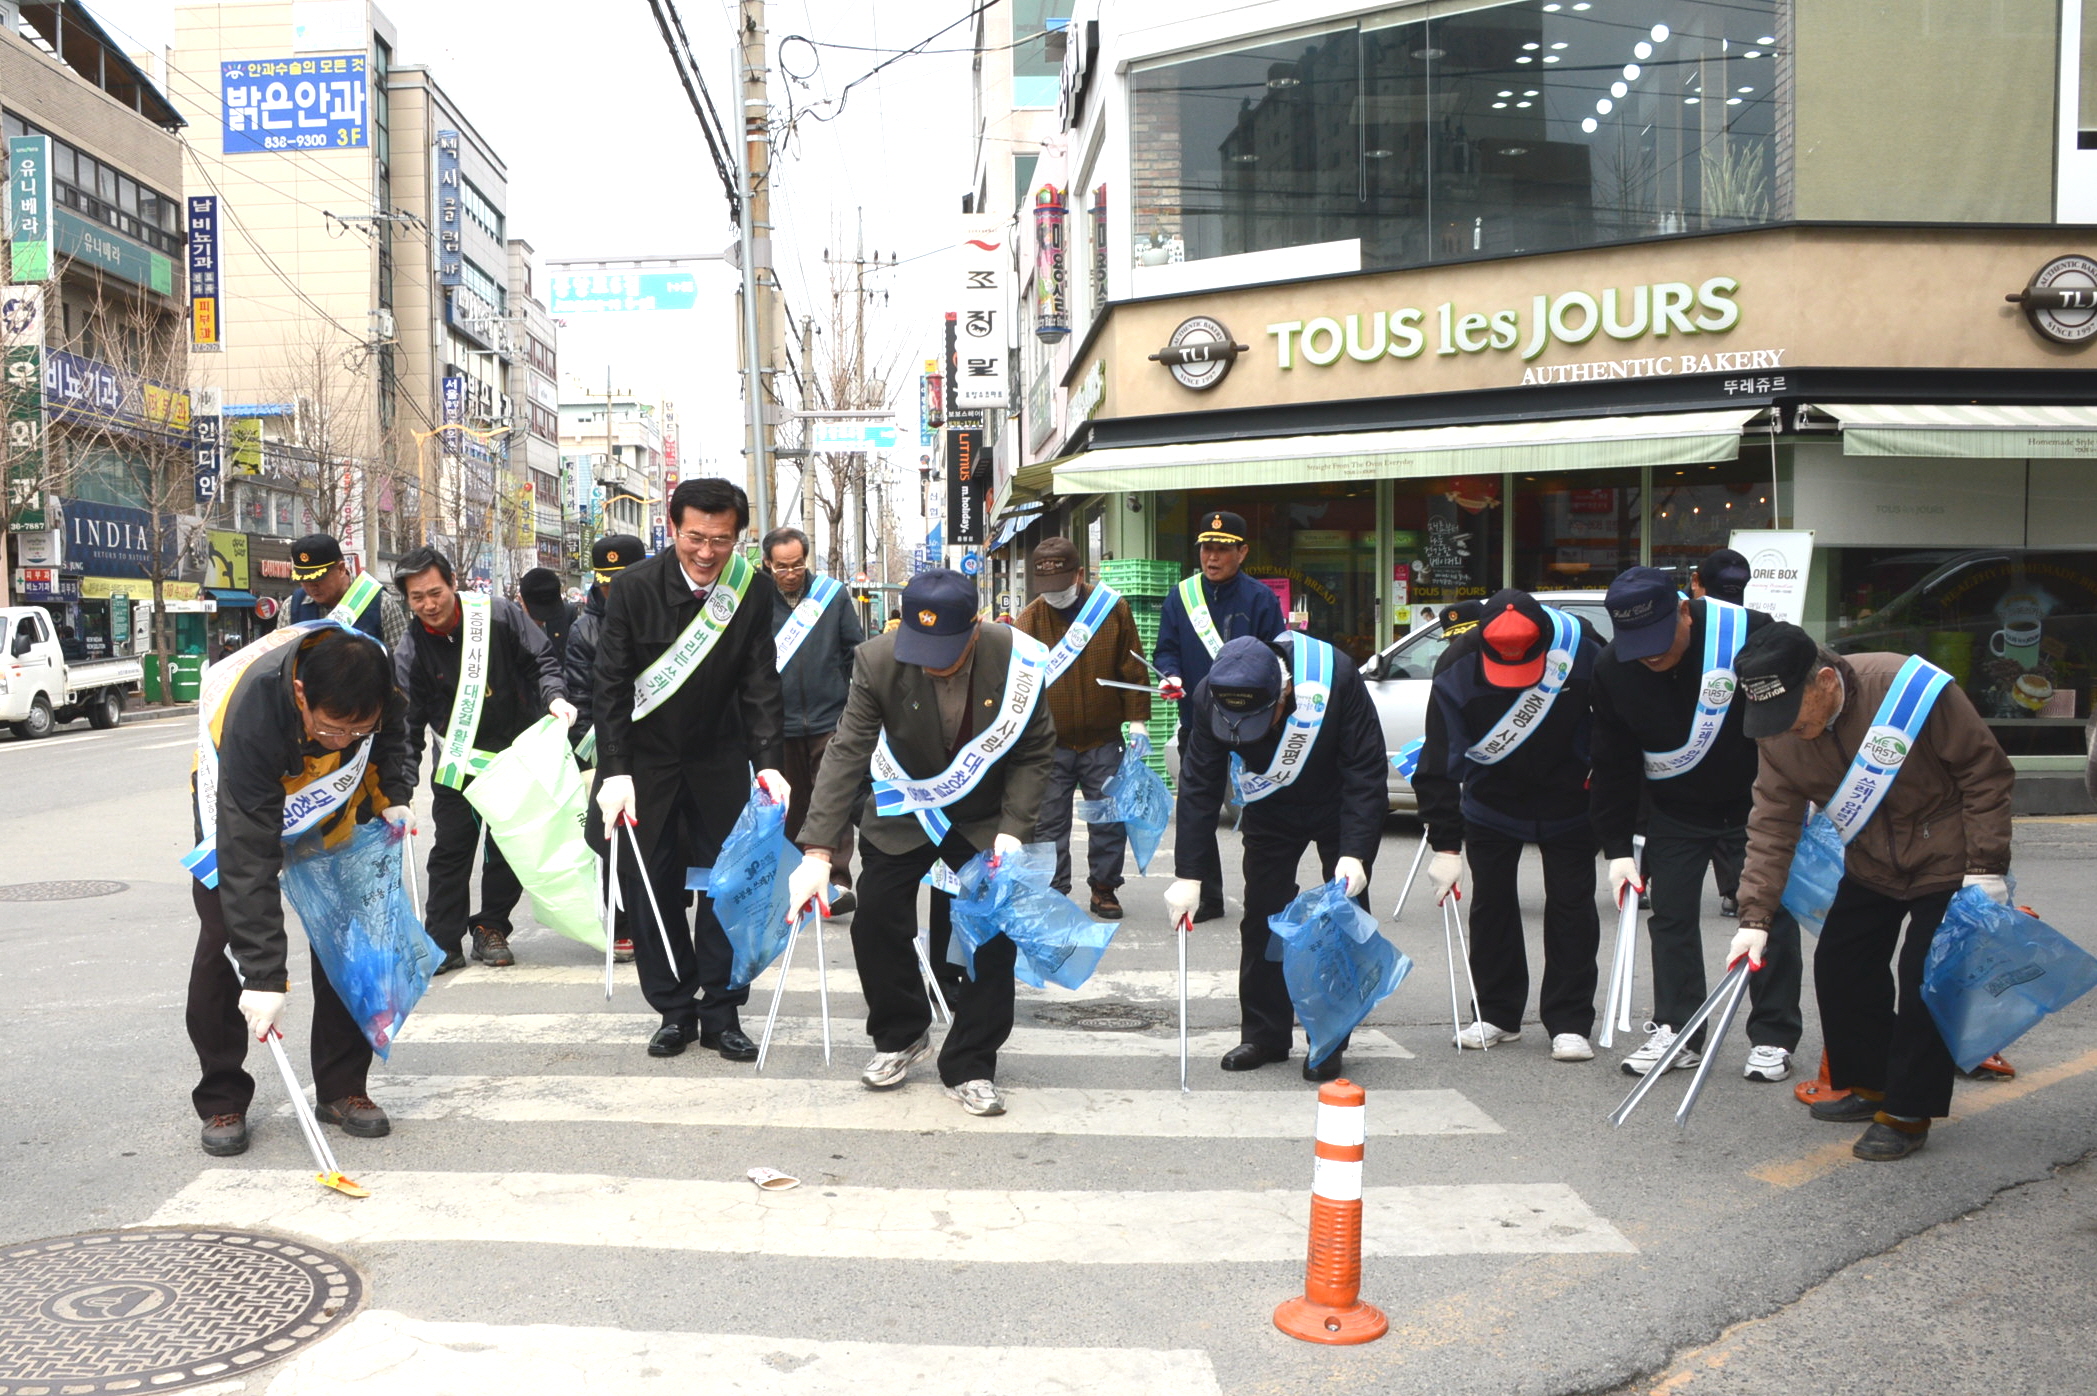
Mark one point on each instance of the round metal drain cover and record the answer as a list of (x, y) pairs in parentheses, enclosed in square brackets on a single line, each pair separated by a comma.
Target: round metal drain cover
[(1103, 1015), (122, 1311), (60, 891)]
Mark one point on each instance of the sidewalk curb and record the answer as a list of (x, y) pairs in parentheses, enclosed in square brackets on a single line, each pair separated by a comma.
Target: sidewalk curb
[(156, 713)]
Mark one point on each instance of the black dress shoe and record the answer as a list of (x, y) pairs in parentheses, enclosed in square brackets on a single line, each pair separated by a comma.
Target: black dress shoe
[(1729, 906), (731, 1044), (225, 1135), (669, 1040), (1851, 1109), (1883, 1143), (1328, 1070), (1208, 911), (453, 961), (843, 904), (1249, 1056)]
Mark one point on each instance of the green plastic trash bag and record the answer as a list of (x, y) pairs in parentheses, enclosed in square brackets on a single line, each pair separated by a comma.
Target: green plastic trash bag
[(534, 801)]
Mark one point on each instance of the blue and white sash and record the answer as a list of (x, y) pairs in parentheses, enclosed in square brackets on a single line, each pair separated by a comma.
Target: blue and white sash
[(1406, 759), (821, 592), (898, 792), (1311, 670), (1894, 730), (1725, 631), (1530, 710), (1091, 616)]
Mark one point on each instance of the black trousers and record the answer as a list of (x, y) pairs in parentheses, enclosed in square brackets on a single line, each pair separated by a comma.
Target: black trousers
[(1726, 863), (688, 983), (801, 762), (897, 1011), (1572, 931), (1265, 1015), (340, 1056), (1676, 855), (1876, 1039), (451, 874)]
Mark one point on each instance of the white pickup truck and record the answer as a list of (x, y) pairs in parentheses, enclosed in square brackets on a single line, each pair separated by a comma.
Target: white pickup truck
[(39, 688)]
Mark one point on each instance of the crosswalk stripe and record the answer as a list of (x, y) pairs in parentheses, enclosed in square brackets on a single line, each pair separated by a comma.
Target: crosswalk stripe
[(895, 1224), (632, 1029), (384, 1350), (1161, 985), (748, 1101)]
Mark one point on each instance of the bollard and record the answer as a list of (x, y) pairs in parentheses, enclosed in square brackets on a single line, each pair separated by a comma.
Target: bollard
[(1330, 1308)]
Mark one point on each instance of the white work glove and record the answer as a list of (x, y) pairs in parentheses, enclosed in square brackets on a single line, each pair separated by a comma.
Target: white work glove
[(1171, 689), (1351, 871), (774, 784), (1003, 844), (809, 881), (400, 817), (1623, 872), (615, 802), (1752, 941), (564, 710), (1444, 871), (1994, 885), (1181, 898), (260, 1007), (1136, 737)]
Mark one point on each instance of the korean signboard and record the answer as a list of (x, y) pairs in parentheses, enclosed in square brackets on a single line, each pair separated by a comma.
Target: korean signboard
[(1051, 264), (598, 292), (931, 404), (968, 481), (981, 372), (450, 251), (29, 206), (454, 408), (203, 275), (113, 540), (280, 104), (21, 393), (229, 560), (80, 389), (210, 447)]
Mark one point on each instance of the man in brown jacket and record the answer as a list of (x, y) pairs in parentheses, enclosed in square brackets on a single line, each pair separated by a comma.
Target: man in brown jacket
[(1102, 643), (1943, 823)]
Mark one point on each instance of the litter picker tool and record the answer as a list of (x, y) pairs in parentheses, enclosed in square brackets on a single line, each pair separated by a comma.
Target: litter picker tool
[(1728, 991), (611, 911), (1460, 949), (786, 964), (822, 982), (1419, 854), (1184, 929), (1147, 664), (407, 862), (1623, 959), (647, 886), (1131, 687), (924, 970), (1716, 1039), (330, 1174)]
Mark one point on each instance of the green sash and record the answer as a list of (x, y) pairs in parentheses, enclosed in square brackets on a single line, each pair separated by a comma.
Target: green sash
[(1198, 614), (679, 662), (458, 760), (354, 602)]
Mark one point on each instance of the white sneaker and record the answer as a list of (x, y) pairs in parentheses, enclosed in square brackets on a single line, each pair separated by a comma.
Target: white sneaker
[(886, 1070), (978, 1097), (1571, 1047), (1767, 1064), (1659, 1038), (1481, 1035)]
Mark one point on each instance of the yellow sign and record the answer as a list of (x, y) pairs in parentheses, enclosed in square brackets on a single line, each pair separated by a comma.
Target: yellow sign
[(137, 588), (229, 560), (203, 318)]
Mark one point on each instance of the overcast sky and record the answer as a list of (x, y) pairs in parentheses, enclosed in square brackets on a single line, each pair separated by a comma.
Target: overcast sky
[(605, 158)]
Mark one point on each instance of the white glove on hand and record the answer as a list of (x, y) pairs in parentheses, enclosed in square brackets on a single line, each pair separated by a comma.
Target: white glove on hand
[(260, 1007), (1752, 941), (1181, 898), (1003, 844), (1136, 737), (1444, 871), (400, 817), (1623, 872), (775, 785), (809, 881), (1171, 689), (1351, 871), (562, 709), (615, 801), (1994, 885)]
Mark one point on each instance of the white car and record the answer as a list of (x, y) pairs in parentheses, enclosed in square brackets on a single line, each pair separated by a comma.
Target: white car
[(1400, 677)]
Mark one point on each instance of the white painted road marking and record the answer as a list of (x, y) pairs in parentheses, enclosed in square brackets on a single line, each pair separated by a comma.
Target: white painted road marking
[(390, 1352), (907, 1224), (631, 1029), (752, 1102), (1162, 986)]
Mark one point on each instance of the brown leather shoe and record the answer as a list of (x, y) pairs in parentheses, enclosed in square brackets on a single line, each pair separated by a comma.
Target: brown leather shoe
[(1105, 906), (226, 1135), (492, 947), (356, 1114)]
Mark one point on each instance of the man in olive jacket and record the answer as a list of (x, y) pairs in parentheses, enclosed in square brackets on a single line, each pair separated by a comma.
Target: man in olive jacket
[(1943, 824)]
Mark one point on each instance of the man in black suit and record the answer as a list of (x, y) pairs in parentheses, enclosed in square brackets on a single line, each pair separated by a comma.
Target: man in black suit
[(687, 704)]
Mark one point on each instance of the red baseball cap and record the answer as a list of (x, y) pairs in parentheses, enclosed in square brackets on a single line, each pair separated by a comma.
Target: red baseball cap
[(1515, 637)]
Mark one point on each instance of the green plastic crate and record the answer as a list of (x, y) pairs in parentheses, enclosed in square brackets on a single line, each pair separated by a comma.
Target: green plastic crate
[(1140, 576)]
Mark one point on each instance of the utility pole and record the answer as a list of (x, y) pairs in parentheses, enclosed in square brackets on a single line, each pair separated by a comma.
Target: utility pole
[(611, 458), (754, 173), (857, 396), (808, 405)]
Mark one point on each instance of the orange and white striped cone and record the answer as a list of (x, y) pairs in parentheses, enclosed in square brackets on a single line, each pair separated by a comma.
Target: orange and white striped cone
[(1330, 1308)]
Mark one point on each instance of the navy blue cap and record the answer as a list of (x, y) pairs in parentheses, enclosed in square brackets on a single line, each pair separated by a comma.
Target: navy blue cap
[(1245, 682), (1643, 604), (939, 616), (1725, 574)]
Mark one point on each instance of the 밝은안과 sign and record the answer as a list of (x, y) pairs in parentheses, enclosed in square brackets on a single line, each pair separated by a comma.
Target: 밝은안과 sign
[(280, 104)]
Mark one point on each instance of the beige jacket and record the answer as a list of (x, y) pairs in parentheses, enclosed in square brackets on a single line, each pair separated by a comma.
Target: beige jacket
[(1947, 815)]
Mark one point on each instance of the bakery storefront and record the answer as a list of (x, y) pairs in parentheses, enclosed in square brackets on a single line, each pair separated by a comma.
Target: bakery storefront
[(1399, 440)]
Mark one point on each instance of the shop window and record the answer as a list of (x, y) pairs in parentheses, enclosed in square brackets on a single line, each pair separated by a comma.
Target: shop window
[(1313, 545), (1576, 531), (1697, 507), (1446, 537)]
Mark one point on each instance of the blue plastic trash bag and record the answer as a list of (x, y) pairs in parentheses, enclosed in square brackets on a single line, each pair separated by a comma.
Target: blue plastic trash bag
[(748, 886), (1336, 964), (1994, 972), (1137, 800), (1057, 942), (1816, 870), (362, 926)]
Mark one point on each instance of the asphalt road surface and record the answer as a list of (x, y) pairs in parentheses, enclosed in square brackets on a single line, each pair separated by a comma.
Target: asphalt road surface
[(557, 1212)]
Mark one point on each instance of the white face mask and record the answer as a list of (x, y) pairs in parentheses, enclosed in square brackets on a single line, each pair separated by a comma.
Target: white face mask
[(1061, 599)]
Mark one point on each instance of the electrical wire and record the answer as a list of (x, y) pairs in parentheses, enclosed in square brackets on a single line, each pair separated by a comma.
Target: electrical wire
[(690, 76), (844, 93)]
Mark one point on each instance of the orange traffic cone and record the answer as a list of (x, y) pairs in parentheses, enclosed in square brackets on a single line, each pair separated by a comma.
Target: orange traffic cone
[(1818, 1089), (1330, 1309)]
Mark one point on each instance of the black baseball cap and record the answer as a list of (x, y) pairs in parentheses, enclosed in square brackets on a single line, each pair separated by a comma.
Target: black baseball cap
[(615, 552), (1773, 669), (1244, 684), (1222, 526), (1462, 615), (939, 616), (1643, 604), (313, 555), (1725, 575), (1514, 639)]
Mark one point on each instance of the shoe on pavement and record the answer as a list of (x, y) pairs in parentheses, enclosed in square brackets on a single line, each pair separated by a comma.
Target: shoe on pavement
[(1767, 1064), (885, 1070), (670, 1039), (1331, 1069), (1729, 906), (452, 961), (1659, 1037), (492, 947), (1208, 911), (732, 1043), (355, 1114), (226, 1135), (1850, 1109), (1571, 1047), (1250, 1056), (1481, 1035), (843, 904), (1883, 1143), (622, 951), (978, 1097), (1105, 905)]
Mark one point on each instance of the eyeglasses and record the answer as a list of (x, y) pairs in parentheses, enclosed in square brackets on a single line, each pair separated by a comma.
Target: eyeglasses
[(339, 734), (707, 542), (786, 567)]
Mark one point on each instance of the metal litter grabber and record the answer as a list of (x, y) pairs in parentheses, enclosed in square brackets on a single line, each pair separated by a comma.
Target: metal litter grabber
[(1623, 959), (1406, 889), (1459, 946), (641, 862), (924, 970), (330, 1174), (822, 981), (1713, 1042), (1727, 994), (611, 910), (1182, 932), (786, 963)]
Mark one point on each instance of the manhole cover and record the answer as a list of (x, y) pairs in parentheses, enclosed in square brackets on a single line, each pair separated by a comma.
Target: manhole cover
[(59, 891), (1103, 1015), (122, 1311)]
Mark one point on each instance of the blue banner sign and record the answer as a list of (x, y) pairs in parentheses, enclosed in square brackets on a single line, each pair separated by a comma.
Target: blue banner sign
[(597, 292), (278, 104), (203, 275)]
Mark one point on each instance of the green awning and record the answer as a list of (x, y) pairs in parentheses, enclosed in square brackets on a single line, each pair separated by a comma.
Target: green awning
[(1588, 443), (1966, 431), (1037, 481)]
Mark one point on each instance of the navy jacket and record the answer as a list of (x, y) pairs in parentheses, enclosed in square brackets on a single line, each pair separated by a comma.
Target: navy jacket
[(1241, 606), (814, 684), (385, 619)]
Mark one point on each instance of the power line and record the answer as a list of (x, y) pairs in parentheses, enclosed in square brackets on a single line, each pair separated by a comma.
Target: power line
[(694, 83), (845, 92)]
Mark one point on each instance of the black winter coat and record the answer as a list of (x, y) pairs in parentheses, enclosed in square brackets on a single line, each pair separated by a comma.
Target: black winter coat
[(523, 679), (579, 659), (815, 683)]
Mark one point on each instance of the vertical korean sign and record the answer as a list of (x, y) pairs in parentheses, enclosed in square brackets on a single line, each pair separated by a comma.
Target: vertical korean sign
[(22, 394), (204, 319), (454, 416), (450, 252), (1051, 264), (209, 437), (29, 206), (968, 478), (981, 372)]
